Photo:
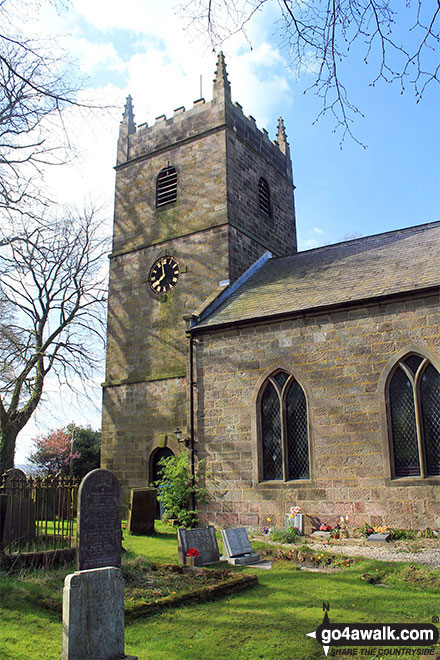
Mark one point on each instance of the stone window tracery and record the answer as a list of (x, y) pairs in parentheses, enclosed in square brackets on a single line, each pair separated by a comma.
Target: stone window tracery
[(414, 418), (166, 186), (284, 429)]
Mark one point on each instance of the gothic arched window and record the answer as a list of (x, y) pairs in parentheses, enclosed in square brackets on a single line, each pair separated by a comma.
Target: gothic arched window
[(264, 197), (166, 186), (284, 429), (414, 418)]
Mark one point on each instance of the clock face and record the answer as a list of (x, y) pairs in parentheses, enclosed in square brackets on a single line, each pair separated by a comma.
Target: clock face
[(164, 274)]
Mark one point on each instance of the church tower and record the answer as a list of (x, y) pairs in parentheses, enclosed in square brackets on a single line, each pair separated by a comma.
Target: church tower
[(199, 198)]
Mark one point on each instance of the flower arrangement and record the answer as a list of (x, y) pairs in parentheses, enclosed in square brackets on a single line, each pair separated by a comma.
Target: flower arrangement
[(294, 510), (368, 529), (192, 552)]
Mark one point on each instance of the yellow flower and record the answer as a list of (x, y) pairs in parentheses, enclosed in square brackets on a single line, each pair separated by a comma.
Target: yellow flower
[(269, 519)]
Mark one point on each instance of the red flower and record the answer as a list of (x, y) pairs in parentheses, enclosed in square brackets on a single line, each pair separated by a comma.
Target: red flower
[(192, 552), (325, 527)]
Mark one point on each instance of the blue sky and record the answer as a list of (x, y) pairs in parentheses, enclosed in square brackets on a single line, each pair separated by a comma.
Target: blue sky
[(140, 47)]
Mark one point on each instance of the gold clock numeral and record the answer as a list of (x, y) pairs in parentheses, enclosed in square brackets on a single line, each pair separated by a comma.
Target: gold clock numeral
[(164, 274)]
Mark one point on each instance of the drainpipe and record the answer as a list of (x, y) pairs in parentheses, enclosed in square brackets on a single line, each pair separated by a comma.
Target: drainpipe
[(191, 418)]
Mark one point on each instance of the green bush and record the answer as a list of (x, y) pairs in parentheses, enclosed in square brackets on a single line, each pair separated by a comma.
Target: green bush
[(174, 490), (289, 535), (403, 534)]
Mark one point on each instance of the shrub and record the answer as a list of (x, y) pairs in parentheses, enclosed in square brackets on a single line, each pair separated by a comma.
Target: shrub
[(289, 535), (174, 490)]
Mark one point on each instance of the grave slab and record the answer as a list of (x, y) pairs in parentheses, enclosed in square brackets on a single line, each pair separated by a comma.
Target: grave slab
[(93, 615), (99, 537), (251, 558), (203, 539), (324, 536), (379, 538)]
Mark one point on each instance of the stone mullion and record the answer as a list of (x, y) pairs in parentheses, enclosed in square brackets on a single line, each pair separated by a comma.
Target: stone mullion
[(419, 425)]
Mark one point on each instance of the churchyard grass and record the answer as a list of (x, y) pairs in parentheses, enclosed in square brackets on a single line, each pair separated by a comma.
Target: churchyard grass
[(268, 622)]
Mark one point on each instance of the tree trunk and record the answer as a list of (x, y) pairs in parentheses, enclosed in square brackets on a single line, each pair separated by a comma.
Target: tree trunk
[(7, 448)]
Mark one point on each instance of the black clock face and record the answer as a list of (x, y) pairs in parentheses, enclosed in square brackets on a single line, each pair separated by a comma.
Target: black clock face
[(164, 274)]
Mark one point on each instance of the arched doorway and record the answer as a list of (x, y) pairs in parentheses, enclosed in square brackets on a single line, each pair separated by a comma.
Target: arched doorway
[(156, 470)]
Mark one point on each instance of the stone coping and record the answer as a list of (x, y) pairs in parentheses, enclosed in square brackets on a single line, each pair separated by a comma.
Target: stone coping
[(235, 582)]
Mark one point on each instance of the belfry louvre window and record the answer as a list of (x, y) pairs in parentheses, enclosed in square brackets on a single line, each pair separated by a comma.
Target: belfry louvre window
[(414, 418), (284, 429), (166, 186), (264, 197)]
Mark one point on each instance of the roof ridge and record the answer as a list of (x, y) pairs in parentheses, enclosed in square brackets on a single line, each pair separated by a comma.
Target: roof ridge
[(329, 246)]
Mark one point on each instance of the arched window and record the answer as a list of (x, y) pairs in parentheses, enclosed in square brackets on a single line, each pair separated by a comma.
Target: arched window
[(166, 186), (284, 429), (264, 197), (414, 418)]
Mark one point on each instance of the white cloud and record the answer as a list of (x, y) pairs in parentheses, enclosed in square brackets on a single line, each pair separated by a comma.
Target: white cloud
[(143, 49)]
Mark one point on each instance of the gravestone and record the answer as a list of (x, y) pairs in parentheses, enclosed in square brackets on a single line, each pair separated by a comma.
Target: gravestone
[(202, 539), (238, 548), (93, 615), (142, 511), (17, 511), (99, 537), (13, 479)]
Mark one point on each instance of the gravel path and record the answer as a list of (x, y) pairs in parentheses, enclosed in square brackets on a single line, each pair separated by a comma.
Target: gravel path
[(427, 553)]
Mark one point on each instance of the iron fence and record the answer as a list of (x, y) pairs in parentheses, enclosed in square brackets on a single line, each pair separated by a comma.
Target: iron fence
[(37, 513)]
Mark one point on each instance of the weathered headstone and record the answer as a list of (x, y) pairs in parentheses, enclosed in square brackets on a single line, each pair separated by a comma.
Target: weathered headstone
[(17, 511), (99, 521), (142, 511), (202, 539), (238, 548), (13, 479), (93, 615)]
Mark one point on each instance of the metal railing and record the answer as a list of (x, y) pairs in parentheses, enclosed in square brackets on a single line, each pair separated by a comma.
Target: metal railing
[(37, 513)]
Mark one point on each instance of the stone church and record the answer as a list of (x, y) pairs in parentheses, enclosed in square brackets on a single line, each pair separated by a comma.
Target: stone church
[(303, 378)]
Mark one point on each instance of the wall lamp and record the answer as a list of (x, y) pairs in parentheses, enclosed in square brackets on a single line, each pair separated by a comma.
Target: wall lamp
[(178, 434)]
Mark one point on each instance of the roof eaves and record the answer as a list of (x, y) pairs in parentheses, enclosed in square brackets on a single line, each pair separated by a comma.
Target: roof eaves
[(224, 295)]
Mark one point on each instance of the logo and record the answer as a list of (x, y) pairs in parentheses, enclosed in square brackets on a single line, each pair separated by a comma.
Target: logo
[(373, 634)]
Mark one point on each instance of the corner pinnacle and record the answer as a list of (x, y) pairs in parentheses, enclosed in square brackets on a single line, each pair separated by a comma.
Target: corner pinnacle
[(222, 87), (128, 116)]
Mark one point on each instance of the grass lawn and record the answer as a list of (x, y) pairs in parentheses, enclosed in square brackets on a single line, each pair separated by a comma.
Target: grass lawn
[(268, 622)]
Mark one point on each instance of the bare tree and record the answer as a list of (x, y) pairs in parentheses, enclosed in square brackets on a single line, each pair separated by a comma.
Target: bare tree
[(36, 84), (54, 289), (319, 35)]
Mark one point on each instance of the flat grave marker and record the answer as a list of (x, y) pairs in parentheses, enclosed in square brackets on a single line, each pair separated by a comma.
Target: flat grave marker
[(379, 538)]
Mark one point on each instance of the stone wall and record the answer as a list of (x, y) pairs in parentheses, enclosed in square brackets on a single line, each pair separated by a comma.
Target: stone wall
[(341, 359)]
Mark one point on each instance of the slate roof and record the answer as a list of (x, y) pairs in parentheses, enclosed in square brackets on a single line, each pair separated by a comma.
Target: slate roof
[(396, 262)]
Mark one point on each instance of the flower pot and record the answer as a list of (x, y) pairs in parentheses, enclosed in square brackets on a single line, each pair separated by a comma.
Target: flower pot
[(297, 521), (193, 561)]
